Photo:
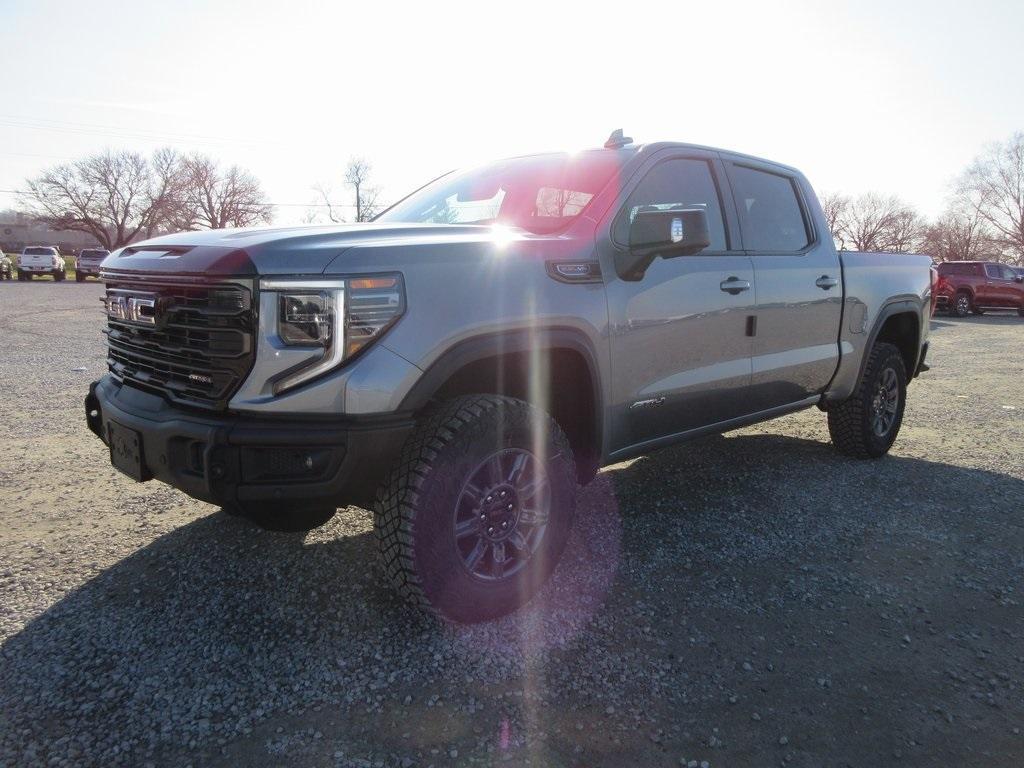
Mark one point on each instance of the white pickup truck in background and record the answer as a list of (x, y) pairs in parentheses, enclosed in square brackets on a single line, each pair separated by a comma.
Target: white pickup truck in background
[(41, 260)]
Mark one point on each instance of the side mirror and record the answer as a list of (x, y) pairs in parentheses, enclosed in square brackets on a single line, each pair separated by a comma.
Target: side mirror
[(653, 233), (1019, 279)]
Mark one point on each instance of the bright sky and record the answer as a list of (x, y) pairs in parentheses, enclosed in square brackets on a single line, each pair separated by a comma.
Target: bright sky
[(894, 97)]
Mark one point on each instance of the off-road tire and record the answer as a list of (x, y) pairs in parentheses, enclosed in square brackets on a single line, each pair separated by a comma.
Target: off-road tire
[(962, 304), (850, 422), (281, 517), (415, 509)]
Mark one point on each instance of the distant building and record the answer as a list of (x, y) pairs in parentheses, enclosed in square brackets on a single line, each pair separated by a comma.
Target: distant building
[(18, 230)]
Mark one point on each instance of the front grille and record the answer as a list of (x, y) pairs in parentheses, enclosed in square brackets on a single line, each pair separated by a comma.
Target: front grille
[(192, 343)]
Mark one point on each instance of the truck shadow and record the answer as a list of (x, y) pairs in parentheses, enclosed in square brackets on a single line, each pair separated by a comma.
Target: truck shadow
[(218, 631)]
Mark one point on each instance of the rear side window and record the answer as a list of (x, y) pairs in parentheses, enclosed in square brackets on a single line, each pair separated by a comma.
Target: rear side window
[(770, 211), (673, 184)]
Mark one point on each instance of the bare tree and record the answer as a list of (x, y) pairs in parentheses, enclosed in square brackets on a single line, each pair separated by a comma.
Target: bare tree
[(217, 199), (993, 186), (113, 196), (323, 193), (834, 205), (357, 173), (872, 222), (957, 235)]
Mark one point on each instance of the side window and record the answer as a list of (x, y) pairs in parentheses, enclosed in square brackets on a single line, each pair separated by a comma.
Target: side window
[(1008, 274), (672, 184), (770, 211), (992, 270)]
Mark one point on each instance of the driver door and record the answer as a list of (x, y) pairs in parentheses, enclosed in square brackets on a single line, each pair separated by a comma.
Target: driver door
[(680, 349)]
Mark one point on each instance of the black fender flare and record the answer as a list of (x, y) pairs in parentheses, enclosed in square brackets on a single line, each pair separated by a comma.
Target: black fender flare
[(895, 307), (499, 343)]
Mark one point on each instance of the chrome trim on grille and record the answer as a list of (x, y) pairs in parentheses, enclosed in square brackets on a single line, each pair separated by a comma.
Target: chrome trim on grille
[(198, 346)]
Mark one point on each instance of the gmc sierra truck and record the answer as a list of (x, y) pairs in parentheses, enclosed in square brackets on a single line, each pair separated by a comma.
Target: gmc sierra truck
[(463, 362)]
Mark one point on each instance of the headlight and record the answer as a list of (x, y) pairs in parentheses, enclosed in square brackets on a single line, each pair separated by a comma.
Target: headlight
[(339, 317)]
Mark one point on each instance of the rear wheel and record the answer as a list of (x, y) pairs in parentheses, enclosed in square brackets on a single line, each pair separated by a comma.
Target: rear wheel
[(962, 304), (477, 513), (866, 424), (79, 277)]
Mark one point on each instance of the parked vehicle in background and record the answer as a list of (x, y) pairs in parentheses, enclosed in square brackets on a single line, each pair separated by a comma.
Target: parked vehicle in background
[(88, 263), (41, 260), (975, 286), (6, 268), (462, 362)]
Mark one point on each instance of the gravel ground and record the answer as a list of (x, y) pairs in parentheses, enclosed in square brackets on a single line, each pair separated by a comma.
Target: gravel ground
[(753, 599)]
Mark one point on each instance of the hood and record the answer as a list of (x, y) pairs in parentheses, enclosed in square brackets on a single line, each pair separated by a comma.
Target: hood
[(303, 250)]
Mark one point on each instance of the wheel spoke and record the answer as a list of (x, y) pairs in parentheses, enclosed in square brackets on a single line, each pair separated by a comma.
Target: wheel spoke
[(472, 560), (519, 542), (474, 493), (518, 467), (466, 528), (531, 489), (498, 559), (533, 517)]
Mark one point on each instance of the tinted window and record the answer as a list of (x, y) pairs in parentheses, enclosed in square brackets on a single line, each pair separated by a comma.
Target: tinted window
[(676, 184), (90, 253), (992, 270), (40, 252), (769, 211)]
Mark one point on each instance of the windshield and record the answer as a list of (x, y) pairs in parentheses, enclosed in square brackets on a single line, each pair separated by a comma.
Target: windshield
[(541, 194)]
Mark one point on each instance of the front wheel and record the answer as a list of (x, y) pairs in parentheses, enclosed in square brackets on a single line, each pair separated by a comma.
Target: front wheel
[(866, 424), (477, 512)]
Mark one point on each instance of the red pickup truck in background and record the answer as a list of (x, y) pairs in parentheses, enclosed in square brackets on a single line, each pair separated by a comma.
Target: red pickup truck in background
[(974, 286)]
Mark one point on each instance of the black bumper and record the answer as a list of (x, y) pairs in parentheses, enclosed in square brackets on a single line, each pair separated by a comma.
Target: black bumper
[(228, 459)]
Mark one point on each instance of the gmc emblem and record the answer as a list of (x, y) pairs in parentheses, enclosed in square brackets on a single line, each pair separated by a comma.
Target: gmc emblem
[(132, 308)]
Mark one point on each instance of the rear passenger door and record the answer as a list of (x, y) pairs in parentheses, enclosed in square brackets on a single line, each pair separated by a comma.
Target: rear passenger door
[(799, 285), (999, 286)]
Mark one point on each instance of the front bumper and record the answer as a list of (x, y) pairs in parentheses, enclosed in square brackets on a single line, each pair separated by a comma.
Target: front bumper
[(232, 459)]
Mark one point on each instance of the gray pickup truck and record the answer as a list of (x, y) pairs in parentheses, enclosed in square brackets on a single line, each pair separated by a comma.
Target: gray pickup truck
[(463, 362)]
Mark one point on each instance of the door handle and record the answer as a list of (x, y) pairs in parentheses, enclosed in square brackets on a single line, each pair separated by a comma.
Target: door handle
[(825, 282), (734, 285)]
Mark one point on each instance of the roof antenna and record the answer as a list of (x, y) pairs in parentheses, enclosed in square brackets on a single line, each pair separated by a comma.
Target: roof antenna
[(617, 140)]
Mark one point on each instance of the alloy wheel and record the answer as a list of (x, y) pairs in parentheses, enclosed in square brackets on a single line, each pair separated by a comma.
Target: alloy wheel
[(885, 403), (501, 514)]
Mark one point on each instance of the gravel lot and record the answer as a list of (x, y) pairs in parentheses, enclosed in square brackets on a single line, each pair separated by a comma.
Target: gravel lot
[(753, 599)]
